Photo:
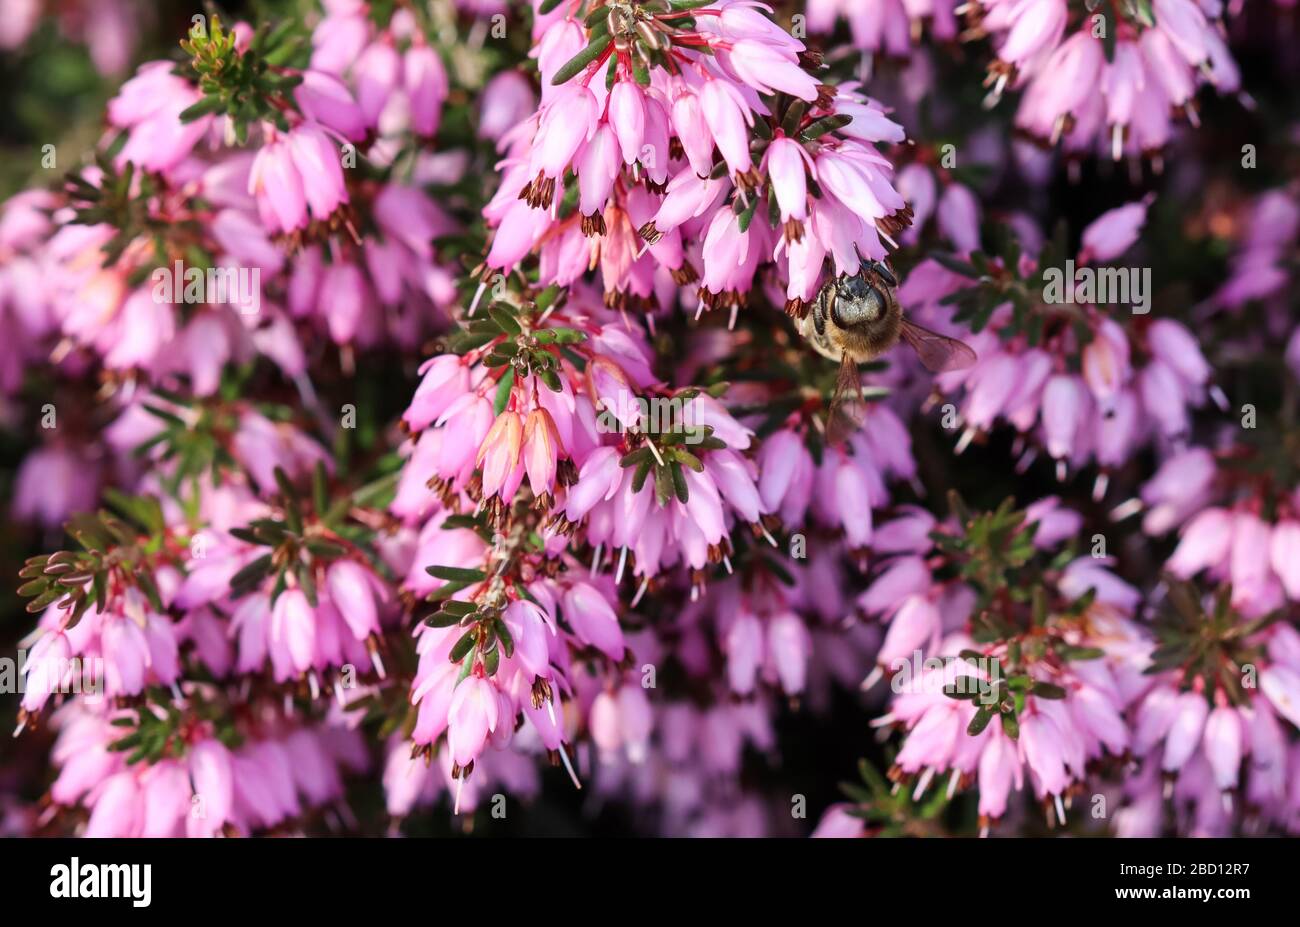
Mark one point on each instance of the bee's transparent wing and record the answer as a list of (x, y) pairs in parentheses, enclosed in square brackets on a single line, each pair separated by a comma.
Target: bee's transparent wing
[(937, 352), (847, 408)]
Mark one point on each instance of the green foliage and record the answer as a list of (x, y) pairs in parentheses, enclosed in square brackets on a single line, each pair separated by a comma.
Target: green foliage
[(248, 87), (116, 553), (308, 534), (1207, 641), (888, 811)]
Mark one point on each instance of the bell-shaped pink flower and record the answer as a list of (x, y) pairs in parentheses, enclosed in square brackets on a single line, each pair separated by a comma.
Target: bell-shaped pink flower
[(1106, 364), (1043, 747), (293, 631), (540, 451), (627, 117), (959, 217), (1037, 26), (1065, 405), (474, 713), (1114, 232), (787, 164), (275, 182), (354, 591), (318, 161), (126, 655), (426, 87), (1185, 731), (1284, 553), (593, 620), (1224, 745), (376, 74), (1206, 541), (567, 122), (507, 101), (999, 770), (46, 670), (598, 167), (445, 379), (767, 69), (118, 810), (212, 773), (1281, 685), (530, 628), (499, 454), (729, 119), (914, 625), (788, 648), (323, 98)]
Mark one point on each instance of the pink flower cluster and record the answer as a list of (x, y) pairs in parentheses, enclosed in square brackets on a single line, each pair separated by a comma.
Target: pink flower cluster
[(619, 172), (375, 515), (1079, 390), (887, 27), (273, 780), (1145, 70), (108, 29)]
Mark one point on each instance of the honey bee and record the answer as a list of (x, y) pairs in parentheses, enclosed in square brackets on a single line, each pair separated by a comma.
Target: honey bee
[(857, 318)]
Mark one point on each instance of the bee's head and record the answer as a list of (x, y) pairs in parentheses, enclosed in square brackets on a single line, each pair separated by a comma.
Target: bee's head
[(856, 302)]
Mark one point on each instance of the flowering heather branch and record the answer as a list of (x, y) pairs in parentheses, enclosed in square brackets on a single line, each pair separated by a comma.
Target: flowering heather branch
[(379, 462)]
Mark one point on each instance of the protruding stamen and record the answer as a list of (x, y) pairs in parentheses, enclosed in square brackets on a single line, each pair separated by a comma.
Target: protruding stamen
[(564, 756)]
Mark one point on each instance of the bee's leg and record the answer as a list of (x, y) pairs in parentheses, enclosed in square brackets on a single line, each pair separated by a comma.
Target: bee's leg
[(883, 272), (821, 310)]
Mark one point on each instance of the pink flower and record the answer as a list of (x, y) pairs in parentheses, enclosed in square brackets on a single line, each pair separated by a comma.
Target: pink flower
[(318, 161), (540, 451), (126, 656), (593, 620), (278, 186), (838, 823), (744, 649), (767, 70), (914, 627), (426, 87), (507, 101), (999, 771), (1281, 686), (1205, 542), (324, 99), (118, 809), (445, 379), (499, 455), (567, 122), (292, 634), (728, 119), (789, 647), (1185, 730), (1114, 232), (1064, 409), (149, 105), (627, 117), (1106, 364), (532, 631), (1284, 552), (1035, 26), (46, 670), (354, 591), (1042, 743), (376, 75), (786, 164), (1175, 346), (213, 777), (474, 713), (1224, 745)]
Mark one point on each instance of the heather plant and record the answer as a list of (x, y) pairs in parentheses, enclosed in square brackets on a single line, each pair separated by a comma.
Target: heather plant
[(426, 416)]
